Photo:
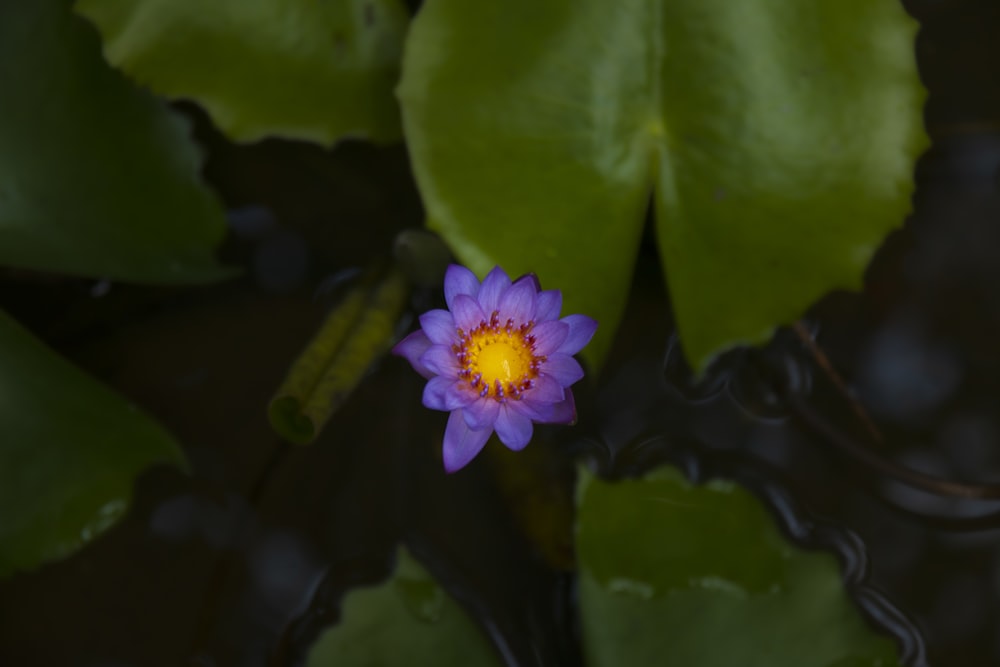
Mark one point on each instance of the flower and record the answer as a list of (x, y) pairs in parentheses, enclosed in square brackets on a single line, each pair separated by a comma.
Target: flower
[(499, 359)]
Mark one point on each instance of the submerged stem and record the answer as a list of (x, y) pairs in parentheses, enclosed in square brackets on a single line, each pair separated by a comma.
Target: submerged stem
[(861, 453), (826, 366)]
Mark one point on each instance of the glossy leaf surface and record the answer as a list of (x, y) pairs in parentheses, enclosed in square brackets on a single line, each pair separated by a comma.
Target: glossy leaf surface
[(408, 620), (672, 573), (97, 177), (301, 69), (776, 139), (69, 454)]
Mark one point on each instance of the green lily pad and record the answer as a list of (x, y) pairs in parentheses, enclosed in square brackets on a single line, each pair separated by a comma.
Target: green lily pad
[(408, 620), (301, 69), (672, 573), (70, 451), (776, 138), (97, 178)]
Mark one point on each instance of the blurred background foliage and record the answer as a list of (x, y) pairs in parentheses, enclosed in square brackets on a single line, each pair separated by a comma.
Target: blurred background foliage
[(775, 145)]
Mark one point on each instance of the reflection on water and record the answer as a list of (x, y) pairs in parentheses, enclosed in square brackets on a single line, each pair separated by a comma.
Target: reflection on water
[(905, 375)]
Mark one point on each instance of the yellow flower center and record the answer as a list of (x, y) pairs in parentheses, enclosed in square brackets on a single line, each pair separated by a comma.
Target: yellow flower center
[(502, 360), (498, 360)]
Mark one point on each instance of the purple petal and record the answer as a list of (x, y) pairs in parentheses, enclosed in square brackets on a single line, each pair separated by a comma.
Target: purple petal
[(495, 284), (513, 429), (530, 278), (563, 412), (534, 412), (467, 312), (441, 360), (445, 393), (563, 368), (518, 303), (412, 348), (581, 330), (549, 336), (481, 414), (439, 326), (461, 444), (547, 305), (459, 395), (459, 280), (434, 392), (544, 389)]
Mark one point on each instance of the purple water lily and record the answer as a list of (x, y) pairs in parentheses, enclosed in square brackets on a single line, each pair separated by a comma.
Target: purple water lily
[(499, 359)]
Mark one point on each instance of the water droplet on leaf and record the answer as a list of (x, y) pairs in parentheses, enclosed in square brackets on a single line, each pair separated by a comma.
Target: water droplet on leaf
[(631, 587), (104, 519), (422, 598)]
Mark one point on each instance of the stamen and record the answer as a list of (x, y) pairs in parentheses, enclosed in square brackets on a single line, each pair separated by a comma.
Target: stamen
[(498, 360)]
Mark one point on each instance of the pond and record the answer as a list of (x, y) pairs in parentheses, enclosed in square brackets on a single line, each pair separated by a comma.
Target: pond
[(827, 496)]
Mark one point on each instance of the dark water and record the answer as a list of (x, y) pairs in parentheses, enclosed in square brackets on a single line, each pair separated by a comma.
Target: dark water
[(243, 563)]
